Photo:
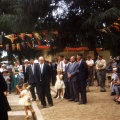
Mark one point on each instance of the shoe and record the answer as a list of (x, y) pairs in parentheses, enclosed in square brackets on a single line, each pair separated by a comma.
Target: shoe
[(82, 103), (57, 97), (62, 97), (43, 106), (112, 94), (102, 90), (70, 100), (76, 100), (27, 117), (50, 105)]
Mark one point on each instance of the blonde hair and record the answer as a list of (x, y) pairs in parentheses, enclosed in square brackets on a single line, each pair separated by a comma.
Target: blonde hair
[(27, 87)]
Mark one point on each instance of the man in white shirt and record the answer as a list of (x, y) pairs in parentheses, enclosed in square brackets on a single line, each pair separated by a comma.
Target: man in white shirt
[(90, 64), (101, 72)]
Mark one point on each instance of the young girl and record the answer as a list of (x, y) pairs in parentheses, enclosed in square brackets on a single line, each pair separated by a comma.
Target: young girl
[(26, 99), (59, 85)]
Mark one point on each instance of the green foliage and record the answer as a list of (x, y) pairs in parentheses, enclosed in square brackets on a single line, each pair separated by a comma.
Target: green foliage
[(21, 15)]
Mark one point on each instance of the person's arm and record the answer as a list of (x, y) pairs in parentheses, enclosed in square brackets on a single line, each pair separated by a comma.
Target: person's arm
[(14, 71), (3, 85)]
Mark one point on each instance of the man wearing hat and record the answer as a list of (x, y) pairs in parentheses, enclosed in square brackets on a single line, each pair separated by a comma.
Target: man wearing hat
[(3, 67)]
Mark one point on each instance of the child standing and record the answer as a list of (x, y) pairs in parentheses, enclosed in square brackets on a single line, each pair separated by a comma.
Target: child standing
[(59, 85), (26, 99)]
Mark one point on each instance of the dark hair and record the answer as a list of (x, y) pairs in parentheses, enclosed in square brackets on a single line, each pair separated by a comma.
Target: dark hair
[(88, 56), (67, 59), (80, 55), (62, 56), (100, 56)]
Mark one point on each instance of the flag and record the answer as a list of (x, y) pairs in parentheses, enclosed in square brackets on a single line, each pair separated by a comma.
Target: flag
[(55, 32), (38, 41), (29, 35), (28, 44), (7, 47), (18, 46), (22, 36), (13, 47), (0, 39), (11, 37), (45, 32), (36, 35)]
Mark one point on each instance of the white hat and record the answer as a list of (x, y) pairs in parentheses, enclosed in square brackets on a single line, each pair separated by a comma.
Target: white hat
[(4, 70), (26, 60), (3, 65), (115, 69), (36, 61)]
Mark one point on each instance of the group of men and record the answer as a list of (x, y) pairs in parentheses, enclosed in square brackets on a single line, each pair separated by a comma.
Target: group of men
[(78, 75)]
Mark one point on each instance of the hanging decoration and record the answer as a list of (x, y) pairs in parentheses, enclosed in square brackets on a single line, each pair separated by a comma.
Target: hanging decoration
[(13, 47), (28, 44), (18, 46), (115, 26), (55, 32), (11, 37), (22, 36), (29, 35), (29, 41), (0, 39)]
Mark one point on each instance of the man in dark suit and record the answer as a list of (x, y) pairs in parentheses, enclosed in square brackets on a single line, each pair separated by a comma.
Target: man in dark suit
[(24, 67), (4, 105), (65, 79), (82, 78), (72, 79), (43, 80), (31, 72), (54, 72)]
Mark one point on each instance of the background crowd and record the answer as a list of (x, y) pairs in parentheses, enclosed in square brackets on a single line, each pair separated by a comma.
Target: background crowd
[(70, 76)]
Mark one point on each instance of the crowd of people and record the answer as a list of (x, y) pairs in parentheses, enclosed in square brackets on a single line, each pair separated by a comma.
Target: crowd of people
[(70, 77)]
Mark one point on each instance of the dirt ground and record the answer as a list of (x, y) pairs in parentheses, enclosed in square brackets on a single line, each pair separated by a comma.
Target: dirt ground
[(100, 106)]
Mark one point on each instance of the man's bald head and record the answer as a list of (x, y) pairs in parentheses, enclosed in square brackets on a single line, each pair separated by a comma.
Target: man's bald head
[(41, 59)]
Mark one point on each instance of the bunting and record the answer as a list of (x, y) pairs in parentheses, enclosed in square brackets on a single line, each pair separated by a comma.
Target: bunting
[(28, 44), (45, 32), (22, 36), (29, 35), (18, 46), (13, 47), (36, 35), (55, 32), (0, 39), (115, 26), (11, 37)]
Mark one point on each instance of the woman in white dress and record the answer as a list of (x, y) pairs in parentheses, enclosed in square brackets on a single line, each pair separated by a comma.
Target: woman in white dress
[(59, 85)]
